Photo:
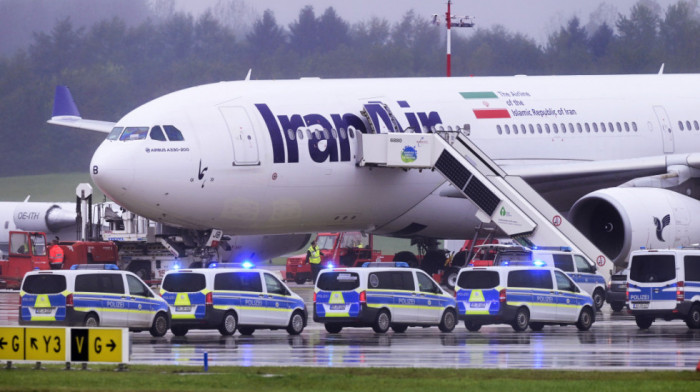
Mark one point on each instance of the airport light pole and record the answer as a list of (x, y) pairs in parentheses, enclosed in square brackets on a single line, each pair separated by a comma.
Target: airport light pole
[(459, 21)]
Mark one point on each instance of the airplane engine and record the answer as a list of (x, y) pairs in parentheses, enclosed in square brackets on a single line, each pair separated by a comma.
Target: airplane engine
[(46, 217), (619, 220), (260, 248)]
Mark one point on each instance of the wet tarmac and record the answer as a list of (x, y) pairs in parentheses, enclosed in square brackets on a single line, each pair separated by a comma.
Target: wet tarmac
[(613, 343)]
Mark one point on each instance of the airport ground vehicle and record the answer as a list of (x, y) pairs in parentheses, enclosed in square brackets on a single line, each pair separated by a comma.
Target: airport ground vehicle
[(381, 297), (28, 251), (664, 284), (93, 298), (574, 265), (231, 298), (521, 297), (616, 295), (347, 249)]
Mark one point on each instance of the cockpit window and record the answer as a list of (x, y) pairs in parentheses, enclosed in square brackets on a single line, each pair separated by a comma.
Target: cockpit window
[(173, 133), (114, 135), (157, 134), (134, 133)]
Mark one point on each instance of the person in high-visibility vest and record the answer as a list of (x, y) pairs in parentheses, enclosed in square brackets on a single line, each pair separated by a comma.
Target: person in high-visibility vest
[(313, 256), (55, 255)]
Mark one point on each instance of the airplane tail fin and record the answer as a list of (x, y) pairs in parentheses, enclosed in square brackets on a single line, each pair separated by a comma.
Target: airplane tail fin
[(63, 103)]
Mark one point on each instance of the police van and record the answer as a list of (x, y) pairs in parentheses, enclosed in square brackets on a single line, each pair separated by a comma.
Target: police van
[(521, 297), (231, 298), (664, 284), (92, 298), (381, 297), (574, 265)]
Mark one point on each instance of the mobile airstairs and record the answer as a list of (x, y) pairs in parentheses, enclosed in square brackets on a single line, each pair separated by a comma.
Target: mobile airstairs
[(506, 200)]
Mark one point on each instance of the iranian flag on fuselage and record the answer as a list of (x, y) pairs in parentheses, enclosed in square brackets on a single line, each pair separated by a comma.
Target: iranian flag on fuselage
[(487, 98)]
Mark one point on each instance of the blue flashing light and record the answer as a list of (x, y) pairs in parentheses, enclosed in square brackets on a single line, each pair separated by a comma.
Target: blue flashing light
[(505, 263), (94, 267), (247, 265), (642, 247), (330, 266), (539, 263), (213, 265), (566, 248), (535, 247)]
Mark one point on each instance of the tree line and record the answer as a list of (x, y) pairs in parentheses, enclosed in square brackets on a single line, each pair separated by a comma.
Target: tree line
[(112, 67)]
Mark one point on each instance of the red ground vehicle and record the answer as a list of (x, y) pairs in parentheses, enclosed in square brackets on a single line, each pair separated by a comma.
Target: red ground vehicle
[(29, 251), (349, 249)]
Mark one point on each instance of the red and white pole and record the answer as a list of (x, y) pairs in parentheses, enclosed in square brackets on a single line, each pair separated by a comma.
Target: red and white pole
[(449, 40)]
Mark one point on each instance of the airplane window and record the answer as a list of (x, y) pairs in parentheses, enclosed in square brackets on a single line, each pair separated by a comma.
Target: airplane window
[(134, 133), (627, 126), (546, 128), (291, 134), (515, 129), (351, 132), (334, 133), (498, 128), (619, 127), (174, 134), (588, 128), (563, 128), (308, 134), (687, 125), (634, 126), (680, 125), (449, 128), (695, 123), (300, 134), (602, 126), (522, 129), (556, 128), (595, 127), (343, 134), (610, 127), (539, 128), (114, 135), (317, 134), (326, 135), (157, 134), (532, 129), (571, 128), (578, 126), (507, 130)]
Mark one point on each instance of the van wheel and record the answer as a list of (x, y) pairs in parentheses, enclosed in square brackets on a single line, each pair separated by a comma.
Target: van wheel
[(448, 322), (179, 331), (537, 327), (92, 321), (296, 323), (585, 319), (399, 328), (299, 279), (228, 324), (382, 322), (617, 306), (598, 298), (160, 325), (693, 318), (522, 320), (644, 322), (333, 328), (247, 331), (471, 325)]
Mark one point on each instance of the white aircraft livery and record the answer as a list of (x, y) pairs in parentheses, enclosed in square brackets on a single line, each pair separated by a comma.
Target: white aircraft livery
[(619, 154)]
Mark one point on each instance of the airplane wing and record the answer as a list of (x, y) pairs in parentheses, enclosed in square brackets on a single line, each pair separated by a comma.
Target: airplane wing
[(65, 113)]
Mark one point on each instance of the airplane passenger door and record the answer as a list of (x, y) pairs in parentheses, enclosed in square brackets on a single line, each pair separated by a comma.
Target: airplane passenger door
[(666, 131), (245, 144)]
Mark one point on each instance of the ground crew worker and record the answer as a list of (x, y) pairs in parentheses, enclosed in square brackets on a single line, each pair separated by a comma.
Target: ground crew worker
[(55, 255), (313, 256)]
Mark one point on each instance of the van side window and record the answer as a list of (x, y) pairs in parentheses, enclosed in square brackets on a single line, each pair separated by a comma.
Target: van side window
[(136, 287), (583, 266), (392, 280), (563, 262), (238, 281), (692, 268), (536, 279), (274, 286), (564, 283), (100, 283), (425, 284)]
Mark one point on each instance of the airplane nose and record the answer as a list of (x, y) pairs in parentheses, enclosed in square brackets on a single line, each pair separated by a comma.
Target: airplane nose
[(111, 171)]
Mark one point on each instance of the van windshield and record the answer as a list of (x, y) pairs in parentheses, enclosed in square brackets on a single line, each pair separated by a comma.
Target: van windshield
[(653, 268), (184, 282), (478, 279), (338, 281), (44, 284)]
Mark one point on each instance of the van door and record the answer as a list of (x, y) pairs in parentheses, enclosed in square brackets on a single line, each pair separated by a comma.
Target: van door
[(652, 282), (430, 309), (397, 290), (567, 300), (141, 310), (277, 303), (104, 293)]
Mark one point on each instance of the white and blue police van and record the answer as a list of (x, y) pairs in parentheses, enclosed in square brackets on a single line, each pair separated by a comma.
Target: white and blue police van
[(105, 297), (576, 266), (664, 284), (521, 297), (230, 299), (381, 295)]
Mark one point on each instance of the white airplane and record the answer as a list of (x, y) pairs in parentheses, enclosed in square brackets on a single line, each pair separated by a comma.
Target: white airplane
[(619, 153), (54, 219)]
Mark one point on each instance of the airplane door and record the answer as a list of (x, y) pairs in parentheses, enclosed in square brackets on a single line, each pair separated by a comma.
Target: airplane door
[(666, 131), (245, 144)]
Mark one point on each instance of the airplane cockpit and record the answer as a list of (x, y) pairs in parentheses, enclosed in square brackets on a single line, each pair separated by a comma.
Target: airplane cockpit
[(163, 134)]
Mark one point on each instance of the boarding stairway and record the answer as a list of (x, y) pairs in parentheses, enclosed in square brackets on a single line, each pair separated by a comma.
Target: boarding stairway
[(506, 200)]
